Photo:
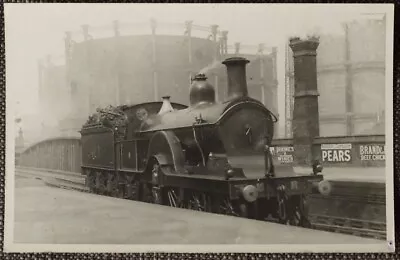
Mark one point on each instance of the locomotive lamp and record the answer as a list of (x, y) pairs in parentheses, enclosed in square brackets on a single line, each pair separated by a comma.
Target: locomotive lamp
[(229, 173), (324, 187), (317, 167)]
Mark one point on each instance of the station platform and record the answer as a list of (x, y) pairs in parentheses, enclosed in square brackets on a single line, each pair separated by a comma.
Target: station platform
[(350, 174), (47, 215)]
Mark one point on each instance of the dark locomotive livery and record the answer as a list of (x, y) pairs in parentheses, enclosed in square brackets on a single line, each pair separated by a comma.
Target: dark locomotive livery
[(209, 156)]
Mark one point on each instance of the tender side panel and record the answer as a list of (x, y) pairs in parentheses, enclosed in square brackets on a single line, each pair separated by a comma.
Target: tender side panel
[(132, 154), (118, 155), (128, 155), (98, 150)]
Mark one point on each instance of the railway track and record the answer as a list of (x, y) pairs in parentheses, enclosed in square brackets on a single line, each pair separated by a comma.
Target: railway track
[(351, 226), (357, 227)]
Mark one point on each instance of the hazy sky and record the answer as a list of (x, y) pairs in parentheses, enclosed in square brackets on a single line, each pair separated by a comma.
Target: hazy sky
[(35, 30)]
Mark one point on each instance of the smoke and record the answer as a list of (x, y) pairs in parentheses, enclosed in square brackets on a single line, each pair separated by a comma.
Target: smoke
[(212, 66), (218, 64)]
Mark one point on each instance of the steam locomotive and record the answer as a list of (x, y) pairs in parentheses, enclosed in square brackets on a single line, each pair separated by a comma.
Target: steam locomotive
[(209, 156)]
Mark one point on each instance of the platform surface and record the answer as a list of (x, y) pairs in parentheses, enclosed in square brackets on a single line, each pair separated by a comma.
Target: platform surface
[(360, 174), (352, 174), (56, 216)]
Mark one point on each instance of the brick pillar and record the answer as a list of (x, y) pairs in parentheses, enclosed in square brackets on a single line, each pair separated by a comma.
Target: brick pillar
[(305, 110)]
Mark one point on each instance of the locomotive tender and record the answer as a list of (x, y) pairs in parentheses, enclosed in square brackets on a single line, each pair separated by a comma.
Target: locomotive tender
[(209, 156)]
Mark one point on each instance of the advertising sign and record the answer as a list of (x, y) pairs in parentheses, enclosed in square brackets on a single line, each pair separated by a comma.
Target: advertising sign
[(336, 153), (375, 152), (284, 154)]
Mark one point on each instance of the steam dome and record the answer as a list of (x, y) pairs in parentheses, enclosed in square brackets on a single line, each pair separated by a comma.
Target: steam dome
[(201, 92)]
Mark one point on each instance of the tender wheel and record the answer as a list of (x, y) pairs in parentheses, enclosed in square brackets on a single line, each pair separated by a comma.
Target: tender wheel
[(131, 188), (112, 185), (101, 183), (91, 181)]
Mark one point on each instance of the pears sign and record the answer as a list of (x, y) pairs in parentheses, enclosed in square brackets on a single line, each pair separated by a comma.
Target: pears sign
[(336, 153)]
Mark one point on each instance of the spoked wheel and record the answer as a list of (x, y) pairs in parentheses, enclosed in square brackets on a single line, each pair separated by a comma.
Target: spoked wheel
[(299, 214), (282, 212), (173, 198), (294, 212), (156, 193), (156, 197), (91, 181), (226, 207), (295, 218), (198, 201), (151, 194), (101, 184), (112, 185), (155, 173)]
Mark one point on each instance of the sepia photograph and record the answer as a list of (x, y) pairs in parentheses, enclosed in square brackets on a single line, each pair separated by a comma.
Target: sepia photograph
[(199, 128)]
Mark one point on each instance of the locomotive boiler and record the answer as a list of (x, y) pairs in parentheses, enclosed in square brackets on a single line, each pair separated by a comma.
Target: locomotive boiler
[(209, 156)]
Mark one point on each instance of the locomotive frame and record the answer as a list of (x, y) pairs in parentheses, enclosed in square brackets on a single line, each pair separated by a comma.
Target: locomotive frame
[(175, 155)]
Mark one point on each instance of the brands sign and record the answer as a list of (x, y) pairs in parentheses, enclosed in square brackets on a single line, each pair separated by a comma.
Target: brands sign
[(284, 154), (336, 153), (375, 152)]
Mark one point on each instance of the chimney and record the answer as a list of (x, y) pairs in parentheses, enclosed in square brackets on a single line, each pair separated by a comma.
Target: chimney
[(305, 111), (236, 70), (166, 106)]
